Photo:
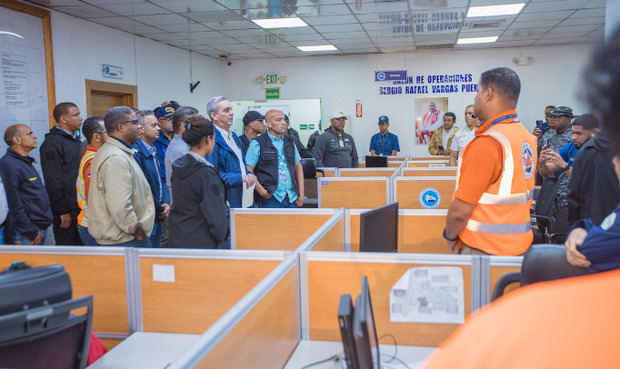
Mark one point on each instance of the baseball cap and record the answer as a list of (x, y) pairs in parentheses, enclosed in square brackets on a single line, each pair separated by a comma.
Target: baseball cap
[(251, 116), (166, 111), (384, 119), (338, 114), (286, 118), (561, 111)]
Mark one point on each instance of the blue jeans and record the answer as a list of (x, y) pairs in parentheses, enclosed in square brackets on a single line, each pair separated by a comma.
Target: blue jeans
[(24, 241), (87, 239), (273, 203), (133, 243), (155, 238)]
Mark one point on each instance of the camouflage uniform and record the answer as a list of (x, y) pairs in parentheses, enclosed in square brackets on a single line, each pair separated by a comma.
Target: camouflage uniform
[(555, 141)]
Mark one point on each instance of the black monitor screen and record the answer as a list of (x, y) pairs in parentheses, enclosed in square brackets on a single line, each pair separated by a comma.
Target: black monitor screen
[(379, 229), (364, 330), (376, 161)]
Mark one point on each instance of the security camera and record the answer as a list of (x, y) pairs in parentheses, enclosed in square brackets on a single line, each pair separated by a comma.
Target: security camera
[(228, 62), (225, 59)]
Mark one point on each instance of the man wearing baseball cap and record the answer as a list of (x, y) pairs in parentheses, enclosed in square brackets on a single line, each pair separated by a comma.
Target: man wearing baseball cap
[(253, 125), (384, 143), (553, 140), (164, 115), (334, 147)]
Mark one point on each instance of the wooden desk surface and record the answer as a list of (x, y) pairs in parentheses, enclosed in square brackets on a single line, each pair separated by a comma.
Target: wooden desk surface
[(308, 352)]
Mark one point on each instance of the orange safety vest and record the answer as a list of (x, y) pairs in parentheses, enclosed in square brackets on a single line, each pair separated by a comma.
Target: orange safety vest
[(500, 222), (81, 186)]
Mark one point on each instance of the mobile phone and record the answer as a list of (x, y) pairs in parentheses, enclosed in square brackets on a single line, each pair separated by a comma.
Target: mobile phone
[(440, 147), (539, 124)]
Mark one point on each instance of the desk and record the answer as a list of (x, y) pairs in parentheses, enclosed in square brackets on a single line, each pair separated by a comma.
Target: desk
[(146, 350), (308, 352)]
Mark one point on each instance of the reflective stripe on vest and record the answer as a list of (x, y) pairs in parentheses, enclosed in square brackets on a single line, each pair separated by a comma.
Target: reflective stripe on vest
[(500, 221), (81, 188)]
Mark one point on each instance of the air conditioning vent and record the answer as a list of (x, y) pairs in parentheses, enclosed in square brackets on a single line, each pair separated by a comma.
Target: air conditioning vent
[(431, 47), (478, 25)]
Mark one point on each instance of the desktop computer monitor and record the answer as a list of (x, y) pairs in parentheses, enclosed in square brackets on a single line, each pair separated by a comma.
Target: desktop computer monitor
[(364, 330), (379, 229), (376, 161), (345, 321)]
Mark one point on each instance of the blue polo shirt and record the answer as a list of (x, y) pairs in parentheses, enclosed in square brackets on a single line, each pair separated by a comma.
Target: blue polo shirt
[(568, 153), (285, 183), (384, 145)]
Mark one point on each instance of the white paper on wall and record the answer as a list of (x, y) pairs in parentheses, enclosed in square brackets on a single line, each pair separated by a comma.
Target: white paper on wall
[(428, 295)]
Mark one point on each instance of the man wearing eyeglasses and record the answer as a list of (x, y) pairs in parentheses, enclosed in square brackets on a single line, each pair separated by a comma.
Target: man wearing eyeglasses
[(464, 136), (120, 209)]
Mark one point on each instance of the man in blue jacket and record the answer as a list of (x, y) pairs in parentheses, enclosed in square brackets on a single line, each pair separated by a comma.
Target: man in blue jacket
[(146, 156), (29, 205), (227, 156)]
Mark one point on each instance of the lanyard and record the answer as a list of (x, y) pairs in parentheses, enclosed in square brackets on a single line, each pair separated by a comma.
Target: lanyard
[(501, 119), (382, 142)]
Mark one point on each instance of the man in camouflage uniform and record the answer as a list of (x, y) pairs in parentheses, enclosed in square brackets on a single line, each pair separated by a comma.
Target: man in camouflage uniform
[(557, 136)]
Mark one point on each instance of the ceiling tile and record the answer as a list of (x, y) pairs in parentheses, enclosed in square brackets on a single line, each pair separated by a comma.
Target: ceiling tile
[(583, 21), (529, 17), (574, 29), (193, 27), (85, 11), (142, 29), (165, 36), (185, 6), (54, 3), (340, 28), (513, 43), (596, 4), (296, 38), (134, 9), (378, 7), (589, 13), (545, 6), (219, 16), (116, 21), (536, 24), (161, 20), (205, 35), (223, 26), (345, 35), (330, 20)]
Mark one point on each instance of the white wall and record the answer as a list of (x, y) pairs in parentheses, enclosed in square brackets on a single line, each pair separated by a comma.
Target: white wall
[(552, 78), (161, 72)]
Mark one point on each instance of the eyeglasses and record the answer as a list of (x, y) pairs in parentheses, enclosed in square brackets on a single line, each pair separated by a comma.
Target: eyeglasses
[(101, 132), (135, 121)]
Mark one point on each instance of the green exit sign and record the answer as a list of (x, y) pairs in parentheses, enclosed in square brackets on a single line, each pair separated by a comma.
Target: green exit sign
[(272, 93), (303, 127), (271, 79)]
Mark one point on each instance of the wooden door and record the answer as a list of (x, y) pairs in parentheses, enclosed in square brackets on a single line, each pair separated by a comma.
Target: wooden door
[(101, 96)]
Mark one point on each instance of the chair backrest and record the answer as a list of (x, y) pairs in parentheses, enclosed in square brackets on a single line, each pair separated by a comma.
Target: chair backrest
[(309, 167), (546, 195), (47, 336), (547, 262)]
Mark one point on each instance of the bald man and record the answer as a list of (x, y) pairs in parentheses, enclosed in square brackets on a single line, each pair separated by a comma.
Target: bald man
[(275, 161), (29, 204)]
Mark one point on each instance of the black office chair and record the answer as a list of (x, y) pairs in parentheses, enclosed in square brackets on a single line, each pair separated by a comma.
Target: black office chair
[(37, 329), (310, 183), (543, 262)]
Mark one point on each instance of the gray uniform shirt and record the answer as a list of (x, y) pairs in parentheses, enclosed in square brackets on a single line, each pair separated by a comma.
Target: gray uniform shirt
[(333, 150), (555, 142)]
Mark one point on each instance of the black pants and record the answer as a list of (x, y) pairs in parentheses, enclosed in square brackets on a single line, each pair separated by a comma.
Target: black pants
[(67, 236)]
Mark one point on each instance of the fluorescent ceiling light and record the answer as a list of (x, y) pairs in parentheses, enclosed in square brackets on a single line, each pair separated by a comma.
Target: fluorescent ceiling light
[(317, 48), (11, 34), (476, 40), (280, 22), (494, 10)]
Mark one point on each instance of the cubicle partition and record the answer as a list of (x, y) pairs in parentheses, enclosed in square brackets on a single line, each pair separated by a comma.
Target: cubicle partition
[(428, 172), (496, 266), (434, 157), (104, 272), (423, 192), (329, 172), (274, 229), (354, 192), (321, 295), (426, 162), (187, 290), (419, 231), (367, 172)]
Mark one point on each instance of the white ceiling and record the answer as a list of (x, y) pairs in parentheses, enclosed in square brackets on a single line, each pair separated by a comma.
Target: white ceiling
[(223, 27)]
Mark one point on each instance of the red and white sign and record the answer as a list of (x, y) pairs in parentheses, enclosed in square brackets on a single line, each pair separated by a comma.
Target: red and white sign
[(358, 108)]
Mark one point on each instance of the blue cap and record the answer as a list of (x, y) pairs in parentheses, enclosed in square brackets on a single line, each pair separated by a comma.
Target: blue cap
[(384, 119), (251, 116), (166, 111)]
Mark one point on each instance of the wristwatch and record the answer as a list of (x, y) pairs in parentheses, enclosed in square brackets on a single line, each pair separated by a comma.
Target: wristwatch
[(445, 236)]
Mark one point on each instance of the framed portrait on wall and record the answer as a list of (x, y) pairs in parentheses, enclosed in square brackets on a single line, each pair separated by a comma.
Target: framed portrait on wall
[(428, 115)]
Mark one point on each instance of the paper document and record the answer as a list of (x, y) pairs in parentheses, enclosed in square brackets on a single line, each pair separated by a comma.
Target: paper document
[(248, 196), (428, 295)]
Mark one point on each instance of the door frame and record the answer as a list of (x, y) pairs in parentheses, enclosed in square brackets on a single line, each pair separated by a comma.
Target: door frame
[(129, 92)]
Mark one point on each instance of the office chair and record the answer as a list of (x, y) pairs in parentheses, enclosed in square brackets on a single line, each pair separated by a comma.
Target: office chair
[(543, 262), (47, 336), (310, 182)]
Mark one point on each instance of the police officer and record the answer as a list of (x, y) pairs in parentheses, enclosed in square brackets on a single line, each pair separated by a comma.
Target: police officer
[(384, 143), (334, 147), (277, 165)]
